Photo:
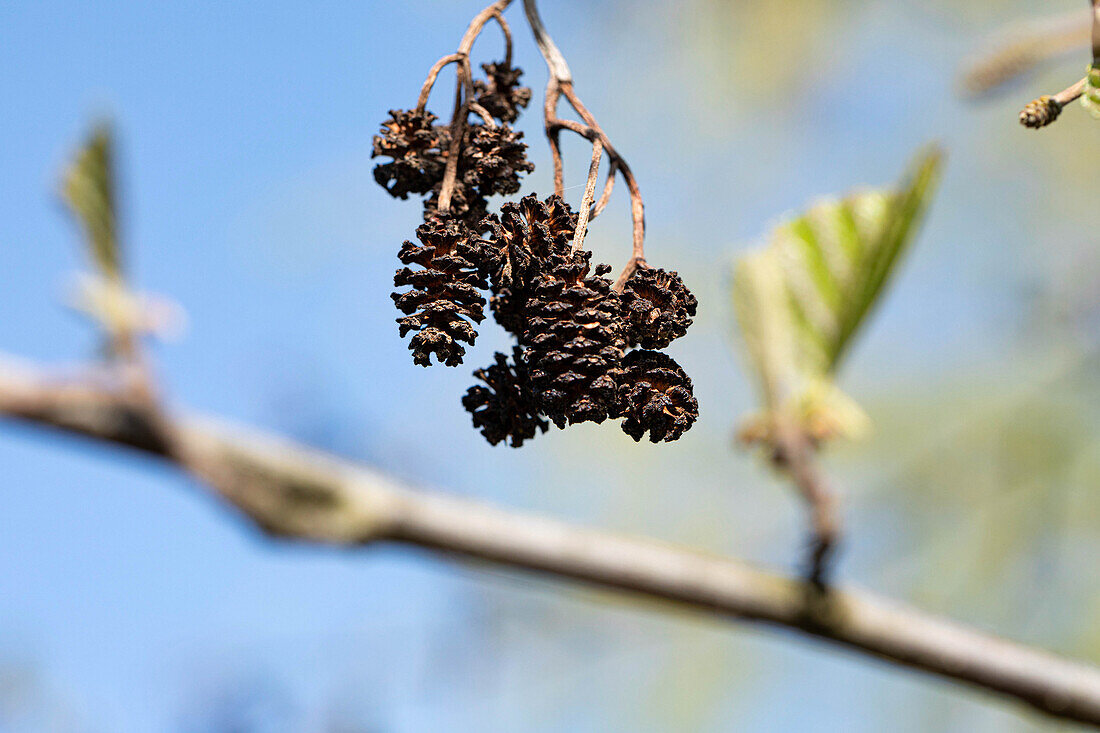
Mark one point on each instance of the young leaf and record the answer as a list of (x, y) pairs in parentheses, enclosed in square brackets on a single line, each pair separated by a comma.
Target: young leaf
[(88, 188), (760, 303), (802, 298)]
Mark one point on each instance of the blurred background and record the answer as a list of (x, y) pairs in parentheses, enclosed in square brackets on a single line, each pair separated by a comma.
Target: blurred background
[(129, 600)]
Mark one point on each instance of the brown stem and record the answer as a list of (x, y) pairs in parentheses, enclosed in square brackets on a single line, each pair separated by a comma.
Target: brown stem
[(589, 193), (433, 74), (458, 131), (605, 197), (796, 454), (1071, 92), (631, 266), (464, 93), (507, 31), (553, 94), (561, 84), (637, 207), (555, 62), (479, 21), (593, 132), (483, 114)]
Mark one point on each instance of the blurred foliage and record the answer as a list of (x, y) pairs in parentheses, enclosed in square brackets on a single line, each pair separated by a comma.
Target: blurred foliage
[(999, 501), (88, 188), (1091, 97), (760, 46), (802, 298)]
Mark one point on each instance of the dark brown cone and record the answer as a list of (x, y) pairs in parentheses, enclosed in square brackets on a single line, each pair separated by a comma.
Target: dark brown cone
[(516, 248), (466, 206), (509, 309), (575, 339), (445, 293), (505, 409), (525, 234), (493, 159), (415, 145), (490, 163), (500, 93), (657, 307), (654, 395)]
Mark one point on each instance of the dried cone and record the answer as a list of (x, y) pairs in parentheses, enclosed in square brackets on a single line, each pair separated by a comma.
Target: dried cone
[(657, 306), (445, 295), (505, 408), (493, 159), (515, 250), (500, 93), (466, 206), (523, 236), (509, 309), (575, 339), (655, 395), (490, 162), (415, 145)]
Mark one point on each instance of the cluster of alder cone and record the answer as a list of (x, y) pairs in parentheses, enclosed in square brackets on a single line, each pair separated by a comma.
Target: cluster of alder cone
[(572, 362)]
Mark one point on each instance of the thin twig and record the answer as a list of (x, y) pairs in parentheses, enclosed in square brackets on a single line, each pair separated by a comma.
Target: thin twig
[(585, 211), (464, 92), (433, 74), (797, 456), (553, 134), (1070, 93), (483, 114), (293, 492), (507, 31), (561, 84), (478, 23), (605, 197), (636, 261), (458, 132), (555, 62), (637, 207)]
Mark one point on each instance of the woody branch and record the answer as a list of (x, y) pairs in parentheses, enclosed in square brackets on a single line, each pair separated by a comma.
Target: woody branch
[(292, 492)]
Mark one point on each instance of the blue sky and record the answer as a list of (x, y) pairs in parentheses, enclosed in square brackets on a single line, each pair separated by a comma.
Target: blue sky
[(245, 138)]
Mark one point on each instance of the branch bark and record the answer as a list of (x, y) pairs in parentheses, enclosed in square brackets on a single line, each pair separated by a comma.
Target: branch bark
[(293, 492)]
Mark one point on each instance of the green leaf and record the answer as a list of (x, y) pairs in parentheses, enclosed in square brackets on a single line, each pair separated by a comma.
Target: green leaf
[(760, 302), (802, 298), (88, 188)]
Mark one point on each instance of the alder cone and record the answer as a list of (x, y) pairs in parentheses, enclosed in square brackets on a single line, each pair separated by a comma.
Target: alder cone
[(493, 159), (523, 236), (657, 307), (654, 395), (509, 309), (575, 338), (446, 291), (466, 206), (490, 162), (505, 407), (415, 145), (500, 93)]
